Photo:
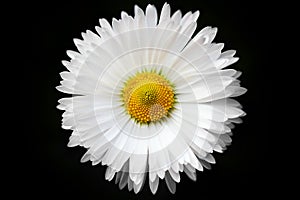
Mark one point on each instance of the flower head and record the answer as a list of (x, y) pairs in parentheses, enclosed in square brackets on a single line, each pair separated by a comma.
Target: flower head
[(150, 99)]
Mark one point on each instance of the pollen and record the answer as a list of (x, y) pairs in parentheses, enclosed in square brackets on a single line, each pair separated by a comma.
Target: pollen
[(148, 97)]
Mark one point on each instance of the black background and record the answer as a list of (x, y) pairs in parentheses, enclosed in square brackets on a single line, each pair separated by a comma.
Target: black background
[(55, 170)]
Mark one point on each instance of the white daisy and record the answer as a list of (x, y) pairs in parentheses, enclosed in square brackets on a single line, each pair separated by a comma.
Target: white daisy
[(148, 99)]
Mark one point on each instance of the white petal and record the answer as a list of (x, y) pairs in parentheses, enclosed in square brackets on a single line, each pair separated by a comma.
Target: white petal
[(73, 54), (105, 25), (165, 13), (228, 53), (67, 76), (170, 183), (130, 184), (139, 17), (209, 158), (137, 187), (109, 174), (161, 174), (154, 185), (175, 175), (176, 17), (206, 164), (191, 174), (189, 18), (151, 16), (185, 18), (123, 180), (225, 138), (74, 140), (205, 36), (116, 25)]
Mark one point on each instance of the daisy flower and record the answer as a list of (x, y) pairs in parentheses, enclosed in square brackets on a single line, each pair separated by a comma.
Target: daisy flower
[(148, 99)]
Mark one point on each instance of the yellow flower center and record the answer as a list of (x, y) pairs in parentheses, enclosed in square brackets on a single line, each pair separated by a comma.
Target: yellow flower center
[(148, 97)]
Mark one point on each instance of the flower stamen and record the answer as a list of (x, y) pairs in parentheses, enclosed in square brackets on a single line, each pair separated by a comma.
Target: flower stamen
[(148, 97)]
